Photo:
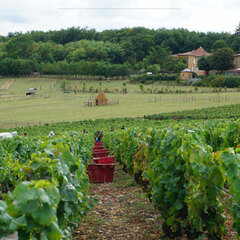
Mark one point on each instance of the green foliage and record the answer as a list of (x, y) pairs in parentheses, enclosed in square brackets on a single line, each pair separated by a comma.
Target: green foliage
[(155, 68), (34, 209), (46, 183), (237, 31), (231, 81), (86, 68), (179, 170), (222, 59), (95, 51), (6, 221), (64, 84), (182, 168), (229, 111), (15, 66), (230, 163), (49, 51), (180, 65), (236, 44), (141, 87), (219, 44), (154, 77), (204, 63), (159, 55), (228, 81), (19, 46)]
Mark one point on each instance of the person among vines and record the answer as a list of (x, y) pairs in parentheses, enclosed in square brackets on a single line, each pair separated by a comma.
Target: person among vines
[(98, 136)]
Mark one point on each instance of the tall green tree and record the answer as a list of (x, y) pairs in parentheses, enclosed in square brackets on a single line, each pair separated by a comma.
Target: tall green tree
[(20, 47), (179, 65), (161, 56), (236, 39), (204, 64), (11, 66), (237, 31), (236, 44), (45, 50), (222, 59), (219, 44)]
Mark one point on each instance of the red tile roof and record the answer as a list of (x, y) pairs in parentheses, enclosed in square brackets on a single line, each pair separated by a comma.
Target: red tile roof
[(197, 53)]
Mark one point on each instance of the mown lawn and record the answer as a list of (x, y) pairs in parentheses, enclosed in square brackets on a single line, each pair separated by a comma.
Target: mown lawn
[(58, 107)]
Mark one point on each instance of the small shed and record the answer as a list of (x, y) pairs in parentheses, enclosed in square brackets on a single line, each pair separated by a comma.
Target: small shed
[(101, 99), (186, 74)]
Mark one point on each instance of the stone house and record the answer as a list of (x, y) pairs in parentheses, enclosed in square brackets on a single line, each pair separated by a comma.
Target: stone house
[(237, 61), (192, 59)]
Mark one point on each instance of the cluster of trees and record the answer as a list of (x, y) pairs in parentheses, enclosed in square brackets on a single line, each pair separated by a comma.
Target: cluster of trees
[(22, 55), (99, 68), (154, 77), (24, 66), (137, 41), (219, 81), (221, 59), (140, 47), (223, 54)]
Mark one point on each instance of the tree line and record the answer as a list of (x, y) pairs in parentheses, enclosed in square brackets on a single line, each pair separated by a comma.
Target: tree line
[(85, 51)]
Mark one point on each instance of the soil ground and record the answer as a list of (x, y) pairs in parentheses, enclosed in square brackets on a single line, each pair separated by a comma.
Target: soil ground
[(124, 212)]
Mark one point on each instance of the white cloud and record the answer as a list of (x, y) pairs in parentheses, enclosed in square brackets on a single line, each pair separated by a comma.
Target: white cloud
[(211, 15)]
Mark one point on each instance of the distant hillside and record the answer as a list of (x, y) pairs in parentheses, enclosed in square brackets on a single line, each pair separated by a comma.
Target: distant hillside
[(116, 50)]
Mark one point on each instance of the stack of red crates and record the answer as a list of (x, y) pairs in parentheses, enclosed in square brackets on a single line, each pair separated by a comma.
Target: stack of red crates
[(103, 168)]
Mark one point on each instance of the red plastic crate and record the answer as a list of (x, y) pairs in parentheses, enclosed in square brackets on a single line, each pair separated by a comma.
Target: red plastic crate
[(97, 148), (100, 154), (101, 149), (104, 150), (108, 159), (92, 172), (100, 173), (105, 172), (98, 143)]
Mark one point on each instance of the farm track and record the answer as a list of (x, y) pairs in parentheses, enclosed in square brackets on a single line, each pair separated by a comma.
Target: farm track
[(124, 212)]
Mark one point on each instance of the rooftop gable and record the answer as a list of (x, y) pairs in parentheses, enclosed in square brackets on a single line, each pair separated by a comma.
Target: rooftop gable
[(196, 53)]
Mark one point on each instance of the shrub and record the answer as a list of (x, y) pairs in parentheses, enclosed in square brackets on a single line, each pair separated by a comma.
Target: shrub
[(154, 77)]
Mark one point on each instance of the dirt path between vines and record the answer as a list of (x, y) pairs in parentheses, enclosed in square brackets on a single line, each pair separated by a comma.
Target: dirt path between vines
[(123, 213)]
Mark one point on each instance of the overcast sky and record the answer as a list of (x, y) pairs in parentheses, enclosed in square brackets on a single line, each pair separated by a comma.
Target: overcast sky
[(197, 15)]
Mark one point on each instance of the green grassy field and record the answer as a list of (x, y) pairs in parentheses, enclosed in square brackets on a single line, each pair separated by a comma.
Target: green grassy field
[(59, 107), (21, 86)]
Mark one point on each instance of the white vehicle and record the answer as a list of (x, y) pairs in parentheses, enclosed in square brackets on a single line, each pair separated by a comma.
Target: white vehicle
[(8, 135)]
